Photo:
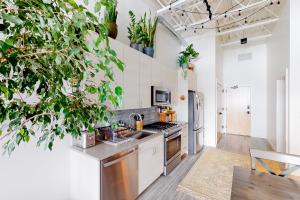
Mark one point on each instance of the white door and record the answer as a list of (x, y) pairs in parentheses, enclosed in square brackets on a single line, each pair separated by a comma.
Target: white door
[(220, 111), (239, 110)]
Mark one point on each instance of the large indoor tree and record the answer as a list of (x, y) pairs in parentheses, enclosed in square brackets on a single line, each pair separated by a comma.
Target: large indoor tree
[(50, 50)]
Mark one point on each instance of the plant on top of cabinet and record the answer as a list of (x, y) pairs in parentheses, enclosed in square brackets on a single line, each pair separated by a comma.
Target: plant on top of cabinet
[(111, 16), (47, 62), (135, 31), (185, 58), (149, 27)]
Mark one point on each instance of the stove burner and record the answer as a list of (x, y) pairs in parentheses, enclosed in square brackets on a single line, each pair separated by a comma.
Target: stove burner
[(160, 125)]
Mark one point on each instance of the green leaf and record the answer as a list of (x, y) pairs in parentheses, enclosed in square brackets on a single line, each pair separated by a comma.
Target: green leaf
[(118, 91), (12, 18), (21, 132), (50, 145), (98, 6), (27, 138)]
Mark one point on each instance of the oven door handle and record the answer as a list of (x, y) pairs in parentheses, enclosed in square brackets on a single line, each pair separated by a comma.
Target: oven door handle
[(174, 136)]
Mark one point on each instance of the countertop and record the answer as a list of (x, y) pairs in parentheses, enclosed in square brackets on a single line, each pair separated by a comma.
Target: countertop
[(102, 150)]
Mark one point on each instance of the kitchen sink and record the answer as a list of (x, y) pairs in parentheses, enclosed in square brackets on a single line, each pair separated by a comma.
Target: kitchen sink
[(141, 134)]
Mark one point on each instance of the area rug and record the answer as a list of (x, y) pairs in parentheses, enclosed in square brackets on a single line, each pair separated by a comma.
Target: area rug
[(211, 176)]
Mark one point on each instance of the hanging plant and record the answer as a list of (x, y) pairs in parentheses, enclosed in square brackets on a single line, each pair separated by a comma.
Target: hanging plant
[(185, 58), (46, 68)]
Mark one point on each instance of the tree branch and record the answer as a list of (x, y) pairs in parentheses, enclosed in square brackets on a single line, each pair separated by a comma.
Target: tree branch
[(24, 123)]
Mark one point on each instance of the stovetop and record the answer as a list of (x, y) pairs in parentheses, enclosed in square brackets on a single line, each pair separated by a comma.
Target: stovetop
[(165, 127)]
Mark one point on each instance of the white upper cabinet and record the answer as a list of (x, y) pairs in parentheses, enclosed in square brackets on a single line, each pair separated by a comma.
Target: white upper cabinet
[(157, 74), (145, 81), (119, 49), (131, 79), (141, 72)]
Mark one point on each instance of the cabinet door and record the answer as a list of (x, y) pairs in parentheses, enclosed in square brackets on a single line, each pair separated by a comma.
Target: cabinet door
[(131, 79), (118, 74), (157, 74), (145, 81), (151, 162)]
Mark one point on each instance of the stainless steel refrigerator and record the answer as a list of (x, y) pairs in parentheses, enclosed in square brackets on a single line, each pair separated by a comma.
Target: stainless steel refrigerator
[(196, 122)]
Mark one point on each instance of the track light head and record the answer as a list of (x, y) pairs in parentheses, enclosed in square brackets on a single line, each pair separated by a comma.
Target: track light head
[(239, 13), (278, 2)]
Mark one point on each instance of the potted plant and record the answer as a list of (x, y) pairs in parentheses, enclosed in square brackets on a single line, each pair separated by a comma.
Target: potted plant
[(111, 16), (149, 29), (185, 58), (135, 32), (47, 77)]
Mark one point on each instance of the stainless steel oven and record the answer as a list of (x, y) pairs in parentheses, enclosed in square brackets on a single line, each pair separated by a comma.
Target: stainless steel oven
[(172, 151), (160, 96)]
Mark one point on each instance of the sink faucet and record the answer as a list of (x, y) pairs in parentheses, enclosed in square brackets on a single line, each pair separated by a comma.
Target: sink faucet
[(132, 115)]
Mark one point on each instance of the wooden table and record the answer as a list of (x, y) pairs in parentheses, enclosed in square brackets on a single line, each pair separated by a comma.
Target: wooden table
[(248, 184)]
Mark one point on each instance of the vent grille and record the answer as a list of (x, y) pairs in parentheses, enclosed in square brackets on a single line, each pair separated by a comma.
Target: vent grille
[(245, 56)]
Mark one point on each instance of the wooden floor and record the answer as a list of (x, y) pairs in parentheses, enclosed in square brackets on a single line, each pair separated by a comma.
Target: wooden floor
[(241, 144), (165, 187)]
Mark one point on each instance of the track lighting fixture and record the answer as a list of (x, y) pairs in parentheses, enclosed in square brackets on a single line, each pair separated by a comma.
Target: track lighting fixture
[(225, 14), (195, 31), (170, 6), (202, 26), (278, 2), (239, 13), (271, 3), (246, 21)]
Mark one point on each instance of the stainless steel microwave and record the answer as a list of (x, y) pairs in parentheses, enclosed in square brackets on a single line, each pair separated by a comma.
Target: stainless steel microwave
[(160, 96)]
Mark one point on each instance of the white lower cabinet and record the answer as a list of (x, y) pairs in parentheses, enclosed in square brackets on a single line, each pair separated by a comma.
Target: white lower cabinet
[(151, 162)]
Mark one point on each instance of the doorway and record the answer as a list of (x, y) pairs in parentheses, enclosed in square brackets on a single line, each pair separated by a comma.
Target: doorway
[(238, 115)]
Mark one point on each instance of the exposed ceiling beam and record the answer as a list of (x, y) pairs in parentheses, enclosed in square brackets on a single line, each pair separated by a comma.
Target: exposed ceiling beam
[(244, 27), (173, 5), (254, 5), (261, 37)]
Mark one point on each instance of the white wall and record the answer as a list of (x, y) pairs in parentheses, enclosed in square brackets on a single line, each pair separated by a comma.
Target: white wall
[(205, 67), (278, 60), (251, 72), (33, 173), (294, 104)]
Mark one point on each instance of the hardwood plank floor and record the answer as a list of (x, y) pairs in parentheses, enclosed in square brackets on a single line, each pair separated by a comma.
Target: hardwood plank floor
[(164, 188)]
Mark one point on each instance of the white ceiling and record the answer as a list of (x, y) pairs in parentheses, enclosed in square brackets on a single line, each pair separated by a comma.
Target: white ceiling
[(232, 19)]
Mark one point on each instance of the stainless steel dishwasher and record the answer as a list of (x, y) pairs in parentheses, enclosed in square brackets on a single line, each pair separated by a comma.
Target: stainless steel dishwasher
[(119, 176)]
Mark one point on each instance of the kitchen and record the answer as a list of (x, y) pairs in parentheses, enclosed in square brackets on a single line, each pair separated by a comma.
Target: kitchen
[(137, 156)]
